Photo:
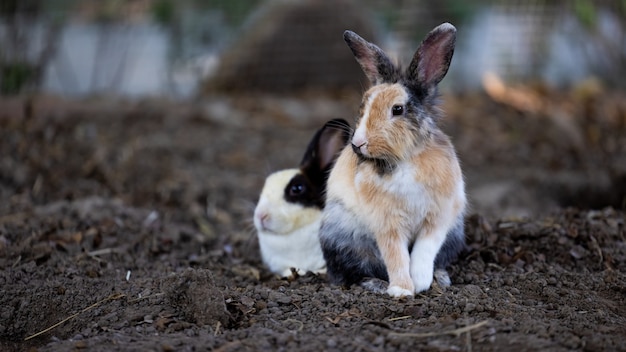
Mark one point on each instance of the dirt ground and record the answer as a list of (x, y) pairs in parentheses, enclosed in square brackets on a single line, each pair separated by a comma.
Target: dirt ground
[(127, 226)]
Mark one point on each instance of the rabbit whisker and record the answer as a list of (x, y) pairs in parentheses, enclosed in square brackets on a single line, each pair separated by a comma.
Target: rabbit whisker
[(339, 127), (248, 205), (250, 241)]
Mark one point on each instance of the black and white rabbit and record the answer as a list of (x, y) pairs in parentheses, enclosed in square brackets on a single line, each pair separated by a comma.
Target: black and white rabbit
[(396, 195), (287, 216)]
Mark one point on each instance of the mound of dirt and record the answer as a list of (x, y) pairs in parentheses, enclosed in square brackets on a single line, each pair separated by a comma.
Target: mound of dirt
[(295, 46)]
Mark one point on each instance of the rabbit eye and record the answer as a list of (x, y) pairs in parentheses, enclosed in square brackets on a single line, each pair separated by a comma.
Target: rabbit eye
[(397, 110), (297, 189)]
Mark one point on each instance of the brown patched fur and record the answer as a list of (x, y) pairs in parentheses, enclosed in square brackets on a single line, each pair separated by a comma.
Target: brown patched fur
[(385, 139), (400, 182), (437, 165), (433, 167), (393, 248)]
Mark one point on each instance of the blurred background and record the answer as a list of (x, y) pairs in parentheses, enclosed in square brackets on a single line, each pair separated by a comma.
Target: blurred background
[(189, 104), (184, 48)]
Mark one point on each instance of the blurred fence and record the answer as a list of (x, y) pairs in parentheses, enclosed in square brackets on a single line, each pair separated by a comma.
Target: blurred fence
[(168, 47)]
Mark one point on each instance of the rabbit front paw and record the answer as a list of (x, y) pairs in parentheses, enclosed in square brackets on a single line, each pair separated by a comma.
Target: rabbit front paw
[(397, 291), (422, 282)]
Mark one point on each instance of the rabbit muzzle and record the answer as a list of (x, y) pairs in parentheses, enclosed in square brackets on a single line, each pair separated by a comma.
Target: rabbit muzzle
[(358, 149)]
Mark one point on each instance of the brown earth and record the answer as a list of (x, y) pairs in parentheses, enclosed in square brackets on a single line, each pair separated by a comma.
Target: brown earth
[(129, 224)]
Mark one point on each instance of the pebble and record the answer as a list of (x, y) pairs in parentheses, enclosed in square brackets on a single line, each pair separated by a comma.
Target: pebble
[(246, 301), (279, 297), (80, 345), (260, 305), (331, 343), (514, 291), (472, 290)]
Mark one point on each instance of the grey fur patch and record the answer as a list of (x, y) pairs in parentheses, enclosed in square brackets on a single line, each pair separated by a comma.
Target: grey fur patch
[(375, 285), (442, 278), (350, 251)]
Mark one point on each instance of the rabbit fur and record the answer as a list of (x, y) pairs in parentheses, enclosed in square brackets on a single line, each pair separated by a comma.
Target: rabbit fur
[(288, 214), (396, 196)]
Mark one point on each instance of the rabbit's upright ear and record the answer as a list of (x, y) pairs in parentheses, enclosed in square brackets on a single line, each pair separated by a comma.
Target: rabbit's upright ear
[(432, 59), (325, 146), (374, 62)]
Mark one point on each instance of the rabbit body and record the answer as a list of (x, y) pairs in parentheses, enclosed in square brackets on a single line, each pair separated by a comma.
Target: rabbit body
[(288, 215), (288, 238), (396, 198)]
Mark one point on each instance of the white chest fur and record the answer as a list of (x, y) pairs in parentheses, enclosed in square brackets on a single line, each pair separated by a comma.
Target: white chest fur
[(395, 198)]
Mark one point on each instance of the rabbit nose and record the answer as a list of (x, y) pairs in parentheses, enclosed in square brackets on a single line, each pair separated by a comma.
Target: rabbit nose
[(263, 218), (356, 149), (357, 144)]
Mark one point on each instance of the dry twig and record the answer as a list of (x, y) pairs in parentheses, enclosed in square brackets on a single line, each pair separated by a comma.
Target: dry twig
[(455, 332), (112, 297), (399, 318)]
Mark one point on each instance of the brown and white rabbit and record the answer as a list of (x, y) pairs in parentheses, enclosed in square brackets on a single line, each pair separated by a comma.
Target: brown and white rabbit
[(287, 216), (396, 195)]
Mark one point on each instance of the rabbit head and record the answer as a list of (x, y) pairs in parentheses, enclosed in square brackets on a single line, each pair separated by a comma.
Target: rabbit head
[(293, 198), (399, 111)]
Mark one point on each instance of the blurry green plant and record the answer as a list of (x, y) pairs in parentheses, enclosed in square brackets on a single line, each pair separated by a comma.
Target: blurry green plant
[(610, 46), (22, 62), (109, 11), (164, 12), (16, 76), (586, 13), (236, 12)]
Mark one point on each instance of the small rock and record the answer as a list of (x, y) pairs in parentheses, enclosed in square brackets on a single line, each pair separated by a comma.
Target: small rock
[(514, 291), (79, 345), (331, 343), (578, 252), (259, 305), (472, 290), (247, 301), (279, 297), (470, 307)]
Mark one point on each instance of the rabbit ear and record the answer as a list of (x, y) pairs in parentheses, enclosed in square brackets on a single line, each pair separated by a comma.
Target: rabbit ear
[(374, 62), (325, 146), (432, 59), (335, 135)]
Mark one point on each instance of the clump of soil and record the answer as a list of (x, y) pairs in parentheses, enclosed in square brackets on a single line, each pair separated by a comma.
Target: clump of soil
[(130, 224)]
